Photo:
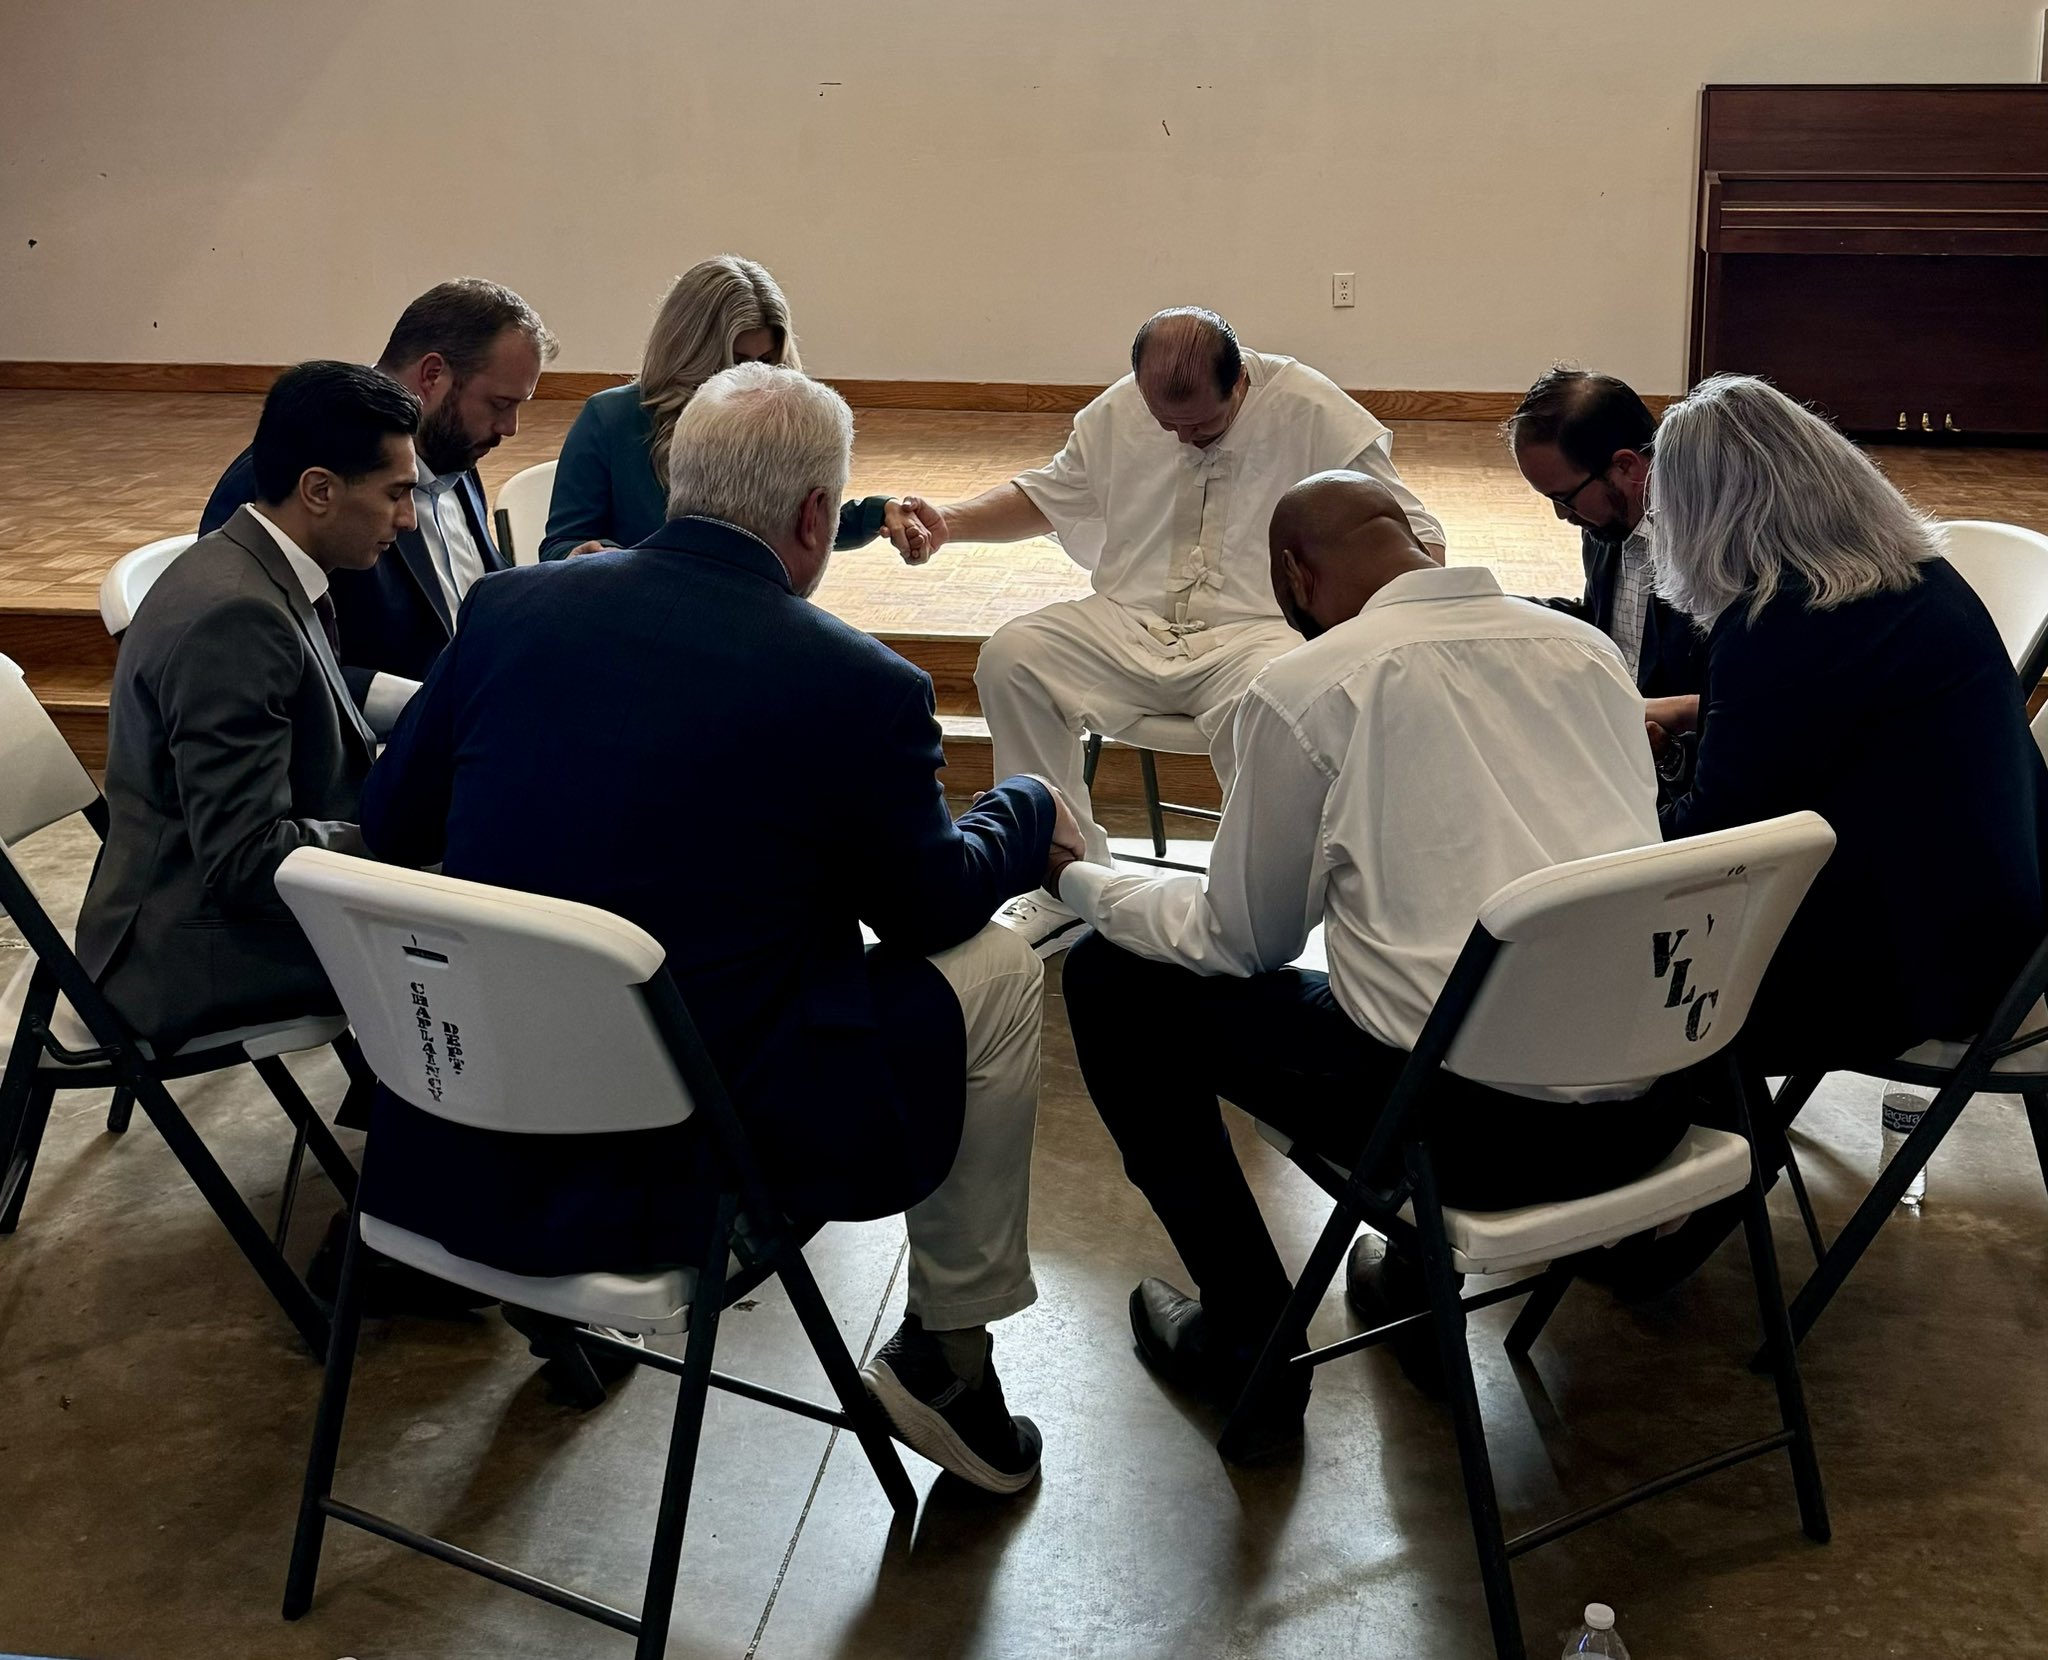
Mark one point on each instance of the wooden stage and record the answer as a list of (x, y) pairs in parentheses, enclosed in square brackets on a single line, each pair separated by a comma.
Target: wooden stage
[(86, 476)]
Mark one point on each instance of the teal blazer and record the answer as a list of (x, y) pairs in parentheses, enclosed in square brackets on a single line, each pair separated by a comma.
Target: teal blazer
[(606, 491)]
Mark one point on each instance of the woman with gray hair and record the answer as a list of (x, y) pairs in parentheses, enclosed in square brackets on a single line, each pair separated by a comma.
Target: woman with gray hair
[(1852, 671), (611, 484)]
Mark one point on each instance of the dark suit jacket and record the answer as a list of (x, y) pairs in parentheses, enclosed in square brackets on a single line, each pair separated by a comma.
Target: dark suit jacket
[(1674, 661), (672, 734), (231, 741), (394, 618), (1898, 720)]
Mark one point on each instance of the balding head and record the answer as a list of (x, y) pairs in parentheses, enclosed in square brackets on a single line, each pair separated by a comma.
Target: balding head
[(1336, 539), (1190, 373)]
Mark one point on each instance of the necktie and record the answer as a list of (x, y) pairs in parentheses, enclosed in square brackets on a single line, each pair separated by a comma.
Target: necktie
[(323, 608)]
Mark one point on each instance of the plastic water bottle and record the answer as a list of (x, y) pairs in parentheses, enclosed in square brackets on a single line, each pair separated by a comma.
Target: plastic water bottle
[(1597, 1635), (1903, 1107)]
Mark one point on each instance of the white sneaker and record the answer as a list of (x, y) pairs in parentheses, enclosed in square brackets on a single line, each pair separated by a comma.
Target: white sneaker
[(1048, 926)]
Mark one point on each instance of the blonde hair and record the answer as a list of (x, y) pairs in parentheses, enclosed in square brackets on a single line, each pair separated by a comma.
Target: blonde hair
[(706, 310), (1750, 489)]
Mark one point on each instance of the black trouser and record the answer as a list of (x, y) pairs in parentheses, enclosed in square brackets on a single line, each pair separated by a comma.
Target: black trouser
[(1158, 1044)]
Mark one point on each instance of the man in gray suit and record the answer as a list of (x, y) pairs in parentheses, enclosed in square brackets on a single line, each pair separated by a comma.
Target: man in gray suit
[(232, 737)]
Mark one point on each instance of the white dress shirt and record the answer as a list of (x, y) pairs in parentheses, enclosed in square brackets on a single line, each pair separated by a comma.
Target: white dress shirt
[(444, 527), (1392, 775), (389, 693), (1177, 533)]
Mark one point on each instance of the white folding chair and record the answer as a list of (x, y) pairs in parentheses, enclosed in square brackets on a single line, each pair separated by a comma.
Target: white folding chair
[(533, 1016), (1150, 736), (522, 515), (2007, 566), (133, 575), (1605, 974), (57, 1032), (2009, 1056)]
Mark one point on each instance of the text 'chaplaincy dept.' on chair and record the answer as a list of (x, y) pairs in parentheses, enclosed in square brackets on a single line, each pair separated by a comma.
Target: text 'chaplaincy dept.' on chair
[(533, 1016), (59, 1035), (1595, 977)]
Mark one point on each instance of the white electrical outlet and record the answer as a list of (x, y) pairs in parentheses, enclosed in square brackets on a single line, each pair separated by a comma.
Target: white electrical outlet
[(1343, 288)]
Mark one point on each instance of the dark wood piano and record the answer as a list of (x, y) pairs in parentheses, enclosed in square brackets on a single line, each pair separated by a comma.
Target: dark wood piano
[(1880, 251)]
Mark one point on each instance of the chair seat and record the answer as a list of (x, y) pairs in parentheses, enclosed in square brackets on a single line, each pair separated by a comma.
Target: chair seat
[(650, 1304), (1163, 734), (1944, 1056), (277, 1037), (1707, 1165)]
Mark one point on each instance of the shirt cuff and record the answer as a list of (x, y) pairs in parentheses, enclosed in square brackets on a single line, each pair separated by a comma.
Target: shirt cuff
[(385, 701), (1081, 886)]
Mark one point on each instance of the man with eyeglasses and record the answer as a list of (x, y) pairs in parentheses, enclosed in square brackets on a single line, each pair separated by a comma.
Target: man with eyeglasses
[(1583, 441)]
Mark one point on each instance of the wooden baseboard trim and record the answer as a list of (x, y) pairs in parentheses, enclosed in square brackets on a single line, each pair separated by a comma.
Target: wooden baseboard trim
[(968, 396)]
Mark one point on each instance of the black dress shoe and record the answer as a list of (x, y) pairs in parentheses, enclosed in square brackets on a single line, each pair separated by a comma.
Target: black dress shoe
[(576, 1374), (1174, 1339), (1382, 1287)]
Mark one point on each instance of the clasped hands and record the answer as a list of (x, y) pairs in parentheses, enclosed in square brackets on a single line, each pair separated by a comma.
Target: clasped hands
[(1069, 845)]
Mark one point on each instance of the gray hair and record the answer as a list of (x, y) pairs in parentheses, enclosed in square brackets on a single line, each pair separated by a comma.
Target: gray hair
[(1750, 488), (706, 310), (753, 444)]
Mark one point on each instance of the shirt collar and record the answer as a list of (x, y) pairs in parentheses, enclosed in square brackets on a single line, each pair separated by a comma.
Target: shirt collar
[(436, 484), (1444, 583), (312, 579)]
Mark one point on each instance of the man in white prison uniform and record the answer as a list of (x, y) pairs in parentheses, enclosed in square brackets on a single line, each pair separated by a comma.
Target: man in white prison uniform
[(1163, 494)]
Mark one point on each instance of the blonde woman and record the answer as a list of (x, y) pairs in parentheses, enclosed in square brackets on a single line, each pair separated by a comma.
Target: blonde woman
[(611, 487)]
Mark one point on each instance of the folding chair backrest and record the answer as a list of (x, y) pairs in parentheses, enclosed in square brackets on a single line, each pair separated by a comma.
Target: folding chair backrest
[(40, 779), (122, 588), (525, 501), (1620, 969), (501, 1010), (2007, 566)]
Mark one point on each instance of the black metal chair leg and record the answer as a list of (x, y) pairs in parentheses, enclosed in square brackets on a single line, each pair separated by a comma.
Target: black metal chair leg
[(290, 1194), (234, 1213), (870, 1424), (354, 1111), (120, 1111), (1091, 758), (1541, 1305), (1876, 1209), (1148, 764), (21, 1162), (312, 1128), (1290, 1329), (1797, 1178), (659, 1602), (1481, 1501), (2037, 1121), (320, 1460)]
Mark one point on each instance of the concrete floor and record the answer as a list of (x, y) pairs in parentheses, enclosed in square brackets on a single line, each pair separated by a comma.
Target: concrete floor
[(155, 1408)]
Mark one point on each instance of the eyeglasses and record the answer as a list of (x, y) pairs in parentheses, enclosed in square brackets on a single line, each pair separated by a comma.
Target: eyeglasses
[(1565, 501)]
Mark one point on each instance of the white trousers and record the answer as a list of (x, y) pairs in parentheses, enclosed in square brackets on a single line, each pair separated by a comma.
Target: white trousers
[(970, 1256), (1091, 665)]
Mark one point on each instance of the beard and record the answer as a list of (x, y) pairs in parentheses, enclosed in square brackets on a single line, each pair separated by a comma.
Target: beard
[(443, 444)]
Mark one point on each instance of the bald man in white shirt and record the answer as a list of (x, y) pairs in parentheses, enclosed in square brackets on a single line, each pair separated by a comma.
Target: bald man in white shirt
[(1431, 741), (1162, 493)]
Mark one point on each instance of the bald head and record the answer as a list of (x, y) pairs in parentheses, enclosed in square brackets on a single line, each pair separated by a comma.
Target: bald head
[(1190, 373), (1337, 539)]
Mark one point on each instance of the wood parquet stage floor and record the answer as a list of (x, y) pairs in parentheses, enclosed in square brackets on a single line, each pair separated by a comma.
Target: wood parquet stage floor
[(86, 476)]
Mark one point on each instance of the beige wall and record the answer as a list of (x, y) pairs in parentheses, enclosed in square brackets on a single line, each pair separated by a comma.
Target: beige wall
[(948, 189)]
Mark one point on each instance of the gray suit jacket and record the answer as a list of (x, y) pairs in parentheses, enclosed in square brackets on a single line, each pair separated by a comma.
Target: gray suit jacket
[(231, 741)]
